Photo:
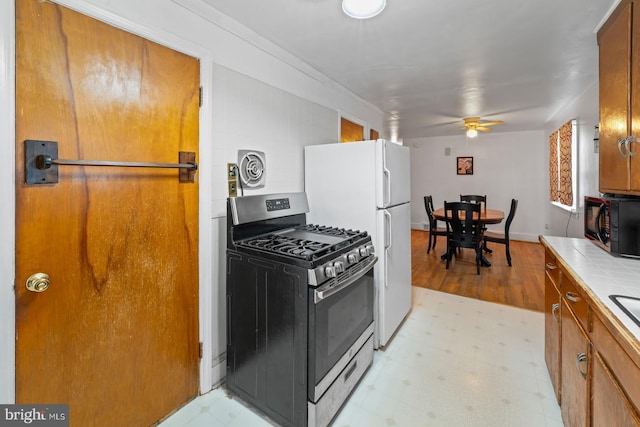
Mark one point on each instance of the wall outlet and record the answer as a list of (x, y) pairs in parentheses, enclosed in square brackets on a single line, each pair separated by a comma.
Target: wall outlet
[(546, 226), (232, 179), (233, 188)]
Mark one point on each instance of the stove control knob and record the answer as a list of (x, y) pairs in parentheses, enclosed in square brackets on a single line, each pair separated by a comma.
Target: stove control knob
[(339, 265), (370, 249), (364, 251), (352, 258), (330, 271)]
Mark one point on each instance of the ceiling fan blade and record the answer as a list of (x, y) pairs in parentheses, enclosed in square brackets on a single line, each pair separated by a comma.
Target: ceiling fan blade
[(474, 123)]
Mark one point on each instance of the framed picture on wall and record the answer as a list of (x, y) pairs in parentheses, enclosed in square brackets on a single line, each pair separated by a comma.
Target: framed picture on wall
[(465, 166)]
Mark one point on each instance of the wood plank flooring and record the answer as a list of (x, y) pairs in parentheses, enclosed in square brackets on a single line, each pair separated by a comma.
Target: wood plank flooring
[(521, 285)]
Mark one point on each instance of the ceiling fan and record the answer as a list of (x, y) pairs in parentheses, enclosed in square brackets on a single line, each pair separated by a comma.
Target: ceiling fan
[(473, 125)]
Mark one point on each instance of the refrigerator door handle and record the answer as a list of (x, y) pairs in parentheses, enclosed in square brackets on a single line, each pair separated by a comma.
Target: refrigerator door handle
[(387, 230), (388, 239), (387, 181), (386, 173), (387, 191)]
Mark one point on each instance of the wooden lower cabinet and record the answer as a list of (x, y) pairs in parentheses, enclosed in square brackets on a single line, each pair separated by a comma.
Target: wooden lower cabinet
[(595, 372), (610, 406), (574, 371), (552, 330)]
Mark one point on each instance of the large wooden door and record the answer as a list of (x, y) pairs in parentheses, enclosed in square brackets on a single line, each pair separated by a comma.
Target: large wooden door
[(115, 335)]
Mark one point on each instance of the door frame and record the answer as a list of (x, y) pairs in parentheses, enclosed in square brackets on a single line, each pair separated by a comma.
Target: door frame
[(7, 185)]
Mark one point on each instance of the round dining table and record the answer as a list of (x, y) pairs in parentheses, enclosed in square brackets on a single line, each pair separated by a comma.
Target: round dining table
[(487, 216)]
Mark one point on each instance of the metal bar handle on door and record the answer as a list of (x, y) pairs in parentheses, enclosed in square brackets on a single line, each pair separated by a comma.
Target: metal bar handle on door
[(41, 163), (45, 162)]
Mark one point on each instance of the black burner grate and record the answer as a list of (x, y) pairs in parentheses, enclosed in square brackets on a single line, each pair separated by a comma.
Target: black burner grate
[(331, 231), (286, 245), (306, 249)]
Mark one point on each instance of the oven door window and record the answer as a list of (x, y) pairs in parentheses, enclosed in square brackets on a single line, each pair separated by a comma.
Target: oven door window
[(336, 322)]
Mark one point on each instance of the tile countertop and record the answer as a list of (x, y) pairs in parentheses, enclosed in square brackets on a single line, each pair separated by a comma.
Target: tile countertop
[(600, 273)]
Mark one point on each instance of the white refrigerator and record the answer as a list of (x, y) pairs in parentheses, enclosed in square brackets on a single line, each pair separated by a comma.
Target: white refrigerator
[(366, 186)]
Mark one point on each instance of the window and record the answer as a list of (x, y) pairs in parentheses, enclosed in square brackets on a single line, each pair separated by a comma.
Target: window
[(563, 166)]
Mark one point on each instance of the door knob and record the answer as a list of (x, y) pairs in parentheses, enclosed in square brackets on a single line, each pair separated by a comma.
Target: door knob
[(38, 282)]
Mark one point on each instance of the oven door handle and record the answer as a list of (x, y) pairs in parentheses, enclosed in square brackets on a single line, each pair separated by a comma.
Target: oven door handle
[(319, 295)]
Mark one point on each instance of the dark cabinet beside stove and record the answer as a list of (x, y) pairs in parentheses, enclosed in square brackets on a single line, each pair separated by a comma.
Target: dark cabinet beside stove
[(267, 348)]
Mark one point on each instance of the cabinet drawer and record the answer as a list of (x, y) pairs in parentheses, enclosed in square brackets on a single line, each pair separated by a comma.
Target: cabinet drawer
[(624, 370), (575, 301), (552, 268)]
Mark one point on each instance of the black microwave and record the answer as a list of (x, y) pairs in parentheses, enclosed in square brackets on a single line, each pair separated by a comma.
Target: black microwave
[(613, 223)]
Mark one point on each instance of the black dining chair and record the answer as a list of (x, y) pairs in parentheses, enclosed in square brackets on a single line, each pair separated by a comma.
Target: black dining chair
[(475, 198), (503, 238), (462, 230), (482, 200), (434, 230)]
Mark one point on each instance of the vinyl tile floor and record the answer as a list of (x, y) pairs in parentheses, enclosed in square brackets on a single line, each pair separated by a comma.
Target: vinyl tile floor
[(455, 361)]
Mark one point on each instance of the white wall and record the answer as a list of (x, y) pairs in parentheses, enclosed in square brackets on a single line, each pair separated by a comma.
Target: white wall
[(585, 110), (506, 165), (256, 96), (249, 114)]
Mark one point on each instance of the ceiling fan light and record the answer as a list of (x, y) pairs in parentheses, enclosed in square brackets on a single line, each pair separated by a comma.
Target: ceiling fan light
[(363, 9), (472, 133)]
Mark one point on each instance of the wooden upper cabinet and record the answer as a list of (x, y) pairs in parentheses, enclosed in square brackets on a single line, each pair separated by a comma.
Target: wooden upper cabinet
[(350, 131), (619, 64), (635, 99)]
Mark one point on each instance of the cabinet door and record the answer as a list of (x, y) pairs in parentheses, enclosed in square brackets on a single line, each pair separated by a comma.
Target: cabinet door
[(552, 333), (574, 362), (614, 44), (634, 161), (610, 405)]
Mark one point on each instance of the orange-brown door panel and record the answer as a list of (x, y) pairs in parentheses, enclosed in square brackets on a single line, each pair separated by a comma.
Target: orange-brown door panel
[(350, 131), (115, 335)]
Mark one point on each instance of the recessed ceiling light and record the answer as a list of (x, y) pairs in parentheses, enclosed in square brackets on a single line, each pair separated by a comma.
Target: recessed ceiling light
[(363, 9)]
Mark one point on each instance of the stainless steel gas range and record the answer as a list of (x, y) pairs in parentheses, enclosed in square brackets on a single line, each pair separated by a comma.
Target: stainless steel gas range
[(299, 309)]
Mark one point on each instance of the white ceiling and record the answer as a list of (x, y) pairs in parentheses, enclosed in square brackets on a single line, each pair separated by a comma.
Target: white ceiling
[(428, 64)]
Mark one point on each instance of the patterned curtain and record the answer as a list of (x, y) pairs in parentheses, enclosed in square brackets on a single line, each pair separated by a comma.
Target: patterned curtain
[(553, 167), (565, 189)]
